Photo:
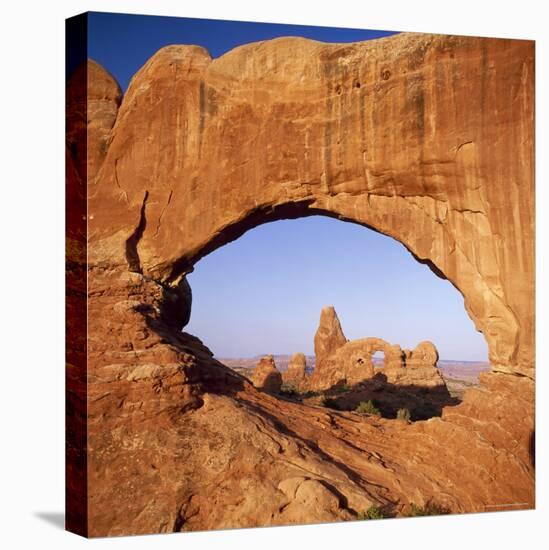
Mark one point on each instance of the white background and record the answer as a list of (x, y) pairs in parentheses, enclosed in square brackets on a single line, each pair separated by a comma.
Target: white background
[(32, 271)]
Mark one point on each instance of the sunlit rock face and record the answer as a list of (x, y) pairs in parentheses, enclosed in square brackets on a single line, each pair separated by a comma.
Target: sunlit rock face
[(266, 376), (425, 138), (329, 336), (339, 361), (296, 374), (428, 139)]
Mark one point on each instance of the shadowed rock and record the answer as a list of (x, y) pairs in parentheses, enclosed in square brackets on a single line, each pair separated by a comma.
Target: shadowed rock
[(266, 376), (297, 370)]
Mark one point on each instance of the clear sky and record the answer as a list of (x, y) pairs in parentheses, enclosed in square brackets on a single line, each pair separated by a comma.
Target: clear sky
[(263, 293), (123, 43)]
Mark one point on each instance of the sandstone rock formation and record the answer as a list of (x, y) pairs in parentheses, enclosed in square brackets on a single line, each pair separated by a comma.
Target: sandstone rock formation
[(297, 370), (425, 353), (266, 376), (427, 139), (351, 362), (104, 99), (177, 441), (397, 134), (329, 336), (313, 501), (420, 369)]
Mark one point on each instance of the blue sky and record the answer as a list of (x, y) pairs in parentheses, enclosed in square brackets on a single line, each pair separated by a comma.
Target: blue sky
[(263, 293), (123, 43)]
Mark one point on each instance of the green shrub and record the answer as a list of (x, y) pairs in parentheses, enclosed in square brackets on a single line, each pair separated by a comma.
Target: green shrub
[(429, 509), (289, 390), (367, 407), (404, 414), (330, 402), (341, 389), (372, 513)]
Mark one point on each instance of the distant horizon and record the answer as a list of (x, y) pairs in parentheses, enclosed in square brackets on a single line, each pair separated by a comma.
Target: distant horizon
[(259, 355)]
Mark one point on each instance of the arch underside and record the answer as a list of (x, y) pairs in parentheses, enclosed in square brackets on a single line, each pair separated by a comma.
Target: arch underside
[(502, 333)]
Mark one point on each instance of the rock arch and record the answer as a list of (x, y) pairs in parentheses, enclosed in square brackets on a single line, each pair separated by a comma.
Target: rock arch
[(340, 361), (393, 354), (396, 134), (425, 138)]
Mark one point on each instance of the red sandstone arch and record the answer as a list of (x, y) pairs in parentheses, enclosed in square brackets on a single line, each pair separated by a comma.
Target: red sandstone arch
[(427, 139)]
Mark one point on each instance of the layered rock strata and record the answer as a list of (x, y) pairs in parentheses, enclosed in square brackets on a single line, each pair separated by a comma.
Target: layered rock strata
[(425, 138), (178, 441)]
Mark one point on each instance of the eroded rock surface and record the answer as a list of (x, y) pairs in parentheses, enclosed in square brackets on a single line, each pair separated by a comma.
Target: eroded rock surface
[(296, 374), (425, 353), (266, 376), (428, 139), (178, 442), (329, 336), (351, 362), (396, 134)]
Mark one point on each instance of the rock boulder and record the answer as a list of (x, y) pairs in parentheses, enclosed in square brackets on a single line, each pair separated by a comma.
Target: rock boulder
[(266, 376)]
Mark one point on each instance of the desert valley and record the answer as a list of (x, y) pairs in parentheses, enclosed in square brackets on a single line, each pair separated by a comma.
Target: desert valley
[(458, 375), (405, 384)]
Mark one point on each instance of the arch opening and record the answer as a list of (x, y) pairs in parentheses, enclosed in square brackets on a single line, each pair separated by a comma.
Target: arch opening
[(261, 295), (378, 359)]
